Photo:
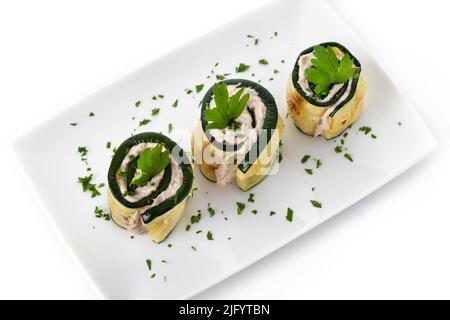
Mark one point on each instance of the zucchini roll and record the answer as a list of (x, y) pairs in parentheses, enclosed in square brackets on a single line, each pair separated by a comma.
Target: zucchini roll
[(325, 93), (238, 135), (149, 180)]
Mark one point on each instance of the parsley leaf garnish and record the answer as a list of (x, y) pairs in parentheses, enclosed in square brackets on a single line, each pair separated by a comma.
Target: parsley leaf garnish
[(327, 70), (209, 236), (309, 171), (263, 62), (150, 163), (155, 111), (251, 197), (227, 108), (175, 104)]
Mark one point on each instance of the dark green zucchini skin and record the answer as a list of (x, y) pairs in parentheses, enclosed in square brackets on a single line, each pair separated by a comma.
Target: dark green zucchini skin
[(181, 158), (270, 121), (338, 95)]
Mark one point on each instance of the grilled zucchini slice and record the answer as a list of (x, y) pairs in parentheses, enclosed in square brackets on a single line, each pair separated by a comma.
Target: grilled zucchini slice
[(258, 160), (343, 109), (144, 215)]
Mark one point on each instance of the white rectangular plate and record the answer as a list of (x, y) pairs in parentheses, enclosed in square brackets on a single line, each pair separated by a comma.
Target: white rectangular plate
[(114, 262)]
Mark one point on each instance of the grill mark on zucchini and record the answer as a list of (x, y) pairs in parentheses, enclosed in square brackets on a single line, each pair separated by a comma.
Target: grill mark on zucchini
[(340, 93)]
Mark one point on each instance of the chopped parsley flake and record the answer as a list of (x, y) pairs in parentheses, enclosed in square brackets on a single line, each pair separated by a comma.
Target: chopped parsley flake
[(373, 136), (144, 122), (289, 215), (164, 261), (188, 91), (153, 275), (272, 213), (263, 62), (211, 211), (251, 197), (199, 87), (137, 104), (169, 245), (170, 127), (318, 163), (209, 236), (365, 129), (194, 248), (348, 156), (188, 227), (108, 145), (83, 151), (196, 218), (309, 171), (316, 204), (240, 207), (338, 149), (155, 111), (74, 124), (242, 67), (175, 104), (345, 135), (88, 186), (91, 114), (305, 158), (149, 264), (399, 123), (276, 71), (255, 211)]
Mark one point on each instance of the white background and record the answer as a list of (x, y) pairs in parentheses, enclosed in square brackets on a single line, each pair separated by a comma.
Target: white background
[(393, 244)]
